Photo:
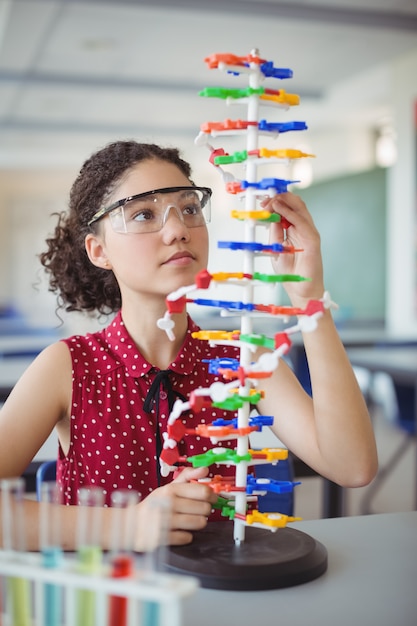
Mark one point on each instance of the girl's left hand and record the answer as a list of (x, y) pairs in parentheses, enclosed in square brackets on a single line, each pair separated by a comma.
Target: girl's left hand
[(303, 236)]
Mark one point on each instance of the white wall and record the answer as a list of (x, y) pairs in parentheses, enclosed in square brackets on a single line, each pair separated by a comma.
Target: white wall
[(402, 203)]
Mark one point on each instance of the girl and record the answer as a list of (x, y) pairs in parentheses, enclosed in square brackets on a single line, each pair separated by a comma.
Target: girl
[(135, 231)]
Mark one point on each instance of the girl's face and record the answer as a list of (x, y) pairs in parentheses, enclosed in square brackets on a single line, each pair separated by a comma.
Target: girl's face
[(152, 263)]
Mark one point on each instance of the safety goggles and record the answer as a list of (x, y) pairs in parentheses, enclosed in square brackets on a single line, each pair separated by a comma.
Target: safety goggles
[(147, 212)]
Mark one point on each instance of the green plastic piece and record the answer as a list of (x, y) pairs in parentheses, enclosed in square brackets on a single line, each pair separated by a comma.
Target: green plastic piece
[(259, 340), (221, 503), (221, 92), (279, 278), (236, 401), (228, 511), (236, 157), (210, 457)]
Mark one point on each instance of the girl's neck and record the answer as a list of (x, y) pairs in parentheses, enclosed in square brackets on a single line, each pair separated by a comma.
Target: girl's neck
[(153, 343)]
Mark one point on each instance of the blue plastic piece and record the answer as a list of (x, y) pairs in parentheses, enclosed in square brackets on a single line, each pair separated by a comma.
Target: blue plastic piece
[(252, 246), (259, 421), (241, 245), (269, 485), (225, 304), (269, 70), (279, 184), (281, 127), (282, 502), (221, 363)]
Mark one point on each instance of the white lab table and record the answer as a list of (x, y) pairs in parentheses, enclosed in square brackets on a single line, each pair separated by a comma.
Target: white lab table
[(371, 580)]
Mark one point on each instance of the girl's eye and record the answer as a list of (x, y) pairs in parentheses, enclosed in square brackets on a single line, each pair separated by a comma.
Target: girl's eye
[(145, 215), (138, 212), (192, 209)]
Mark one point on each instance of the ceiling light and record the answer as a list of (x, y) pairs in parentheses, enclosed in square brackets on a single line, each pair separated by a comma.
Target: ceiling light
[(386, 146)]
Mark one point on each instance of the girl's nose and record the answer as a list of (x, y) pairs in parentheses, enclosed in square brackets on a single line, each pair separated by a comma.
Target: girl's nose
[(173, 226), (168, 213)]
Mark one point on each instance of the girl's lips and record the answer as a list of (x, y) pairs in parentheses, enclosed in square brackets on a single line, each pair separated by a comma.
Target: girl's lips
[(180, 258)]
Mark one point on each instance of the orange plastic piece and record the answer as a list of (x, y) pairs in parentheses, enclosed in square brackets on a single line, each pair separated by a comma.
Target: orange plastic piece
[(227, 124), (233, 187), (231, 59), (208, 430), (223, 483)]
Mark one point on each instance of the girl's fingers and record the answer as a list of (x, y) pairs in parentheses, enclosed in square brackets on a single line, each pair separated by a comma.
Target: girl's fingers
[(290, 206), (179, 538), (190, 473)]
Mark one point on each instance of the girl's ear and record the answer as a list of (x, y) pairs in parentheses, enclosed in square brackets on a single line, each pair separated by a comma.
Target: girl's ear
[(96, 252)]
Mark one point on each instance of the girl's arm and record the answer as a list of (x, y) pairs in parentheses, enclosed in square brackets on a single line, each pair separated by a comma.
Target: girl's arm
[(187, 506), (332, 431), (38, 401)]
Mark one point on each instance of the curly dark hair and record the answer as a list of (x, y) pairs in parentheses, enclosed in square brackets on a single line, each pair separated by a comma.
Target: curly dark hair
[(80, 285)]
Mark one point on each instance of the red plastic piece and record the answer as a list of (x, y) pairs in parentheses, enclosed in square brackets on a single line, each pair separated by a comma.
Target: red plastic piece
[(176, 306), (215, 153), (314, 306), (203, 279), (282, 339)]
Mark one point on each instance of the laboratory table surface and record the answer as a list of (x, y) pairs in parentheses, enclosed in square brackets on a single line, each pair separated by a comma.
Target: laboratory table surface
[(371, 580)]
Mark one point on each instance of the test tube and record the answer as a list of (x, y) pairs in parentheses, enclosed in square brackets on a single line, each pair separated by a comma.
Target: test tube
[(122, 544), (52, 554), (18, 595), (89, 551), (155, 538)]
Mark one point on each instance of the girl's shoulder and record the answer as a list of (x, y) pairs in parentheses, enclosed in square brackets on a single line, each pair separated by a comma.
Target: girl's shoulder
[(91, 352)]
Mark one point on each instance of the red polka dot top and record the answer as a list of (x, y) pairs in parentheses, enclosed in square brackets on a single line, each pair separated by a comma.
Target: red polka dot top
[(114, 441)]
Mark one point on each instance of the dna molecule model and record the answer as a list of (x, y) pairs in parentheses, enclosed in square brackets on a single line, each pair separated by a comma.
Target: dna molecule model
[(238, 495)]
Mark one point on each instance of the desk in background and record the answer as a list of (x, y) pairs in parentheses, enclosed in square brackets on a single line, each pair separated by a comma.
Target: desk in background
[(16, 354), (11, 369), (371, 580), (17, 351), (399, 362)]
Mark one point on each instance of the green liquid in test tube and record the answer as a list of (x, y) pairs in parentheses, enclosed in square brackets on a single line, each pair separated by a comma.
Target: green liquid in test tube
[(18, 593), (89, 552)]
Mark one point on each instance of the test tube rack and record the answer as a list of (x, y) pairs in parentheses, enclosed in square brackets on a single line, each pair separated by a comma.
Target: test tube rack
[(152, 598)]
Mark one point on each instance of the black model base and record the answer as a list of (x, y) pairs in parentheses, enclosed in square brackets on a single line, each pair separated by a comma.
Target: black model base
[(265, 560)]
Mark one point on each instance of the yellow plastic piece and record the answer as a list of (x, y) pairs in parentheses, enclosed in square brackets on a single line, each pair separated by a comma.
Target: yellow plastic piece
[(283, 97), (211, 335), (252, 215), (219, 276), (285, 153), (271, 454), (273, 520)]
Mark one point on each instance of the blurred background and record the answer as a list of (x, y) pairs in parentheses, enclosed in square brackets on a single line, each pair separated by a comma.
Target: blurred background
[(75, 75)]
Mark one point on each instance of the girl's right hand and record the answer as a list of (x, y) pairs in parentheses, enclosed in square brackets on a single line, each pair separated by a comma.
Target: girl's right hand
[(171, 513)]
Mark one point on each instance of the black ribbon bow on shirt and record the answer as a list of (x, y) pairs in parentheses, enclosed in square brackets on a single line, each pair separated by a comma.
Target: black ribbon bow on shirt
[(161, 380)]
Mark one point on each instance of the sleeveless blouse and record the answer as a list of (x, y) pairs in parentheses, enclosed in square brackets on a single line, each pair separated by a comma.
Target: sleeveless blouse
[(113, 441)]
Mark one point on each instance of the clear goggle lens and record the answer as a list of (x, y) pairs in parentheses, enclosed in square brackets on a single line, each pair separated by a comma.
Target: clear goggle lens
[(148, 213)]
